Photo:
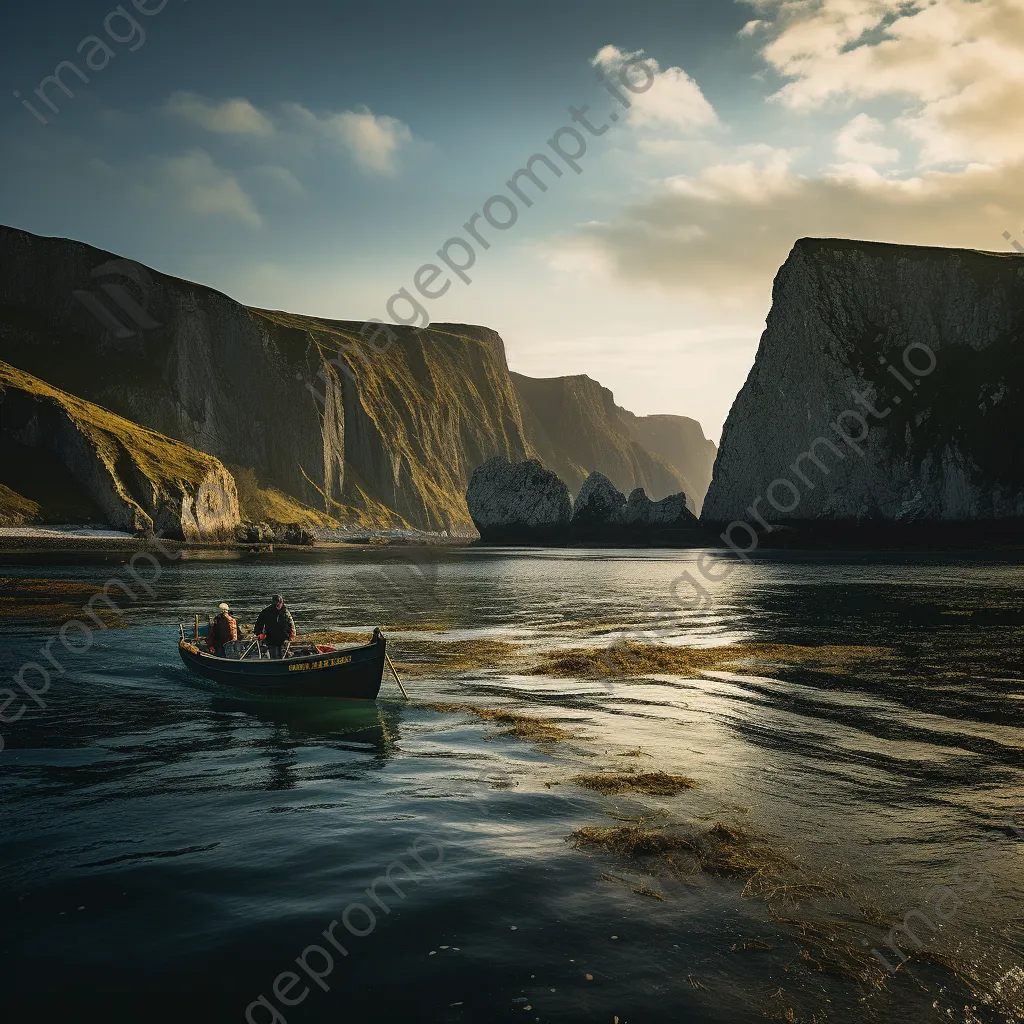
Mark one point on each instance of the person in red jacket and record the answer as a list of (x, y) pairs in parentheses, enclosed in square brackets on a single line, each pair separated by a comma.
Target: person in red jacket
[(224, 630)]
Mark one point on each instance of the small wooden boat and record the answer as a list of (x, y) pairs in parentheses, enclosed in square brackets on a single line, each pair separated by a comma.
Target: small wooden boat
[(306, 669)]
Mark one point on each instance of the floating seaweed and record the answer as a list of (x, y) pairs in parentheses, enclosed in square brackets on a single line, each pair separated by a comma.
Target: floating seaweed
[(527, 727), (650, 783), (631, 659)]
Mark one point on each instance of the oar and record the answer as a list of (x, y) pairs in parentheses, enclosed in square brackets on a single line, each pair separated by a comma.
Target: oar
[(391, 664)]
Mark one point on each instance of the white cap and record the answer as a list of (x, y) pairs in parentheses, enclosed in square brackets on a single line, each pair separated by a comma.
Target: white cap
[(223, 607)]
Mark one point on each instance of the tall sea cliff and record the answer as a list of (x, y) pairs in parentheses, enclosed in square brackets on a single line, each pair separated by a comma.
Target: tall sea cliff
[(315, 423), (887, 389)]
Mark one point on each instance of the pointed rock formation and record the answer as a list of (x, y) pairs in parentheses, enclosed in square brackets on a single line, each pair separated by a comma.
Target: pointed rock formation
[(518, 504), (598, 509), (671, 513)]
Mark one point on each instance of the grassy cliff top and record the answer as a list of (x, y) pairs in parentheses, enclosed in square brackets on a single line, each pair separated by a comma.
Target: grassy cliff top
[(158, 457)]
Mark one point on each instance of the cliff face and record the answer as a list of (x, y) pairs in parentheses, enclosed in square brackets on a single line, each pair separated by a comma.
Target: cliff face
[(70, 458), (576, 428), (317, 425), (391, 443), (680, 442), (887, 388)]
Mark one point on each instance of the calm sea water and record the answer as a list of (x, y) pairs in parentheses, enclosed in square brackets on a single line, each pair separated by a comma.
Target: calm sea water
[(170, 849)]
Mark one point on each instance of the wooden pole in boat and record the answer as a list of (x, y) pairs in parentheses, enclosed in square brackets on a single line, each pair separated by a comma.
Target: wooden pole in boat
[(197, 627), (391, 664)]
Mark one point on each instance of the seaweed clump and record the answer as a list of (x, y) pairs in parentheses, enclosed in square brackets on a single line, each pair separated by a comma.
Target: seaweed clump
[(526, 727), (719, 850), (650, 783), (445, 657), (634, 659), (57, 600)]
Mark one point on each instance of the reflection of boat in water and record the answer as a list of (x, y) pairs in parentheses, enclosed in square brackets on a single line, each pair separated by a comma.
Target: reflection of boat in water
[(305, 669), (367, 726)]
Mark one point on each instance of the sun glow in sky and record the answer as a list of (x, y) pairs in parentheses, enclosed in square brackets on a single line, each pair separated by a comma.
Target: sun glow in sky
[(312, 156)]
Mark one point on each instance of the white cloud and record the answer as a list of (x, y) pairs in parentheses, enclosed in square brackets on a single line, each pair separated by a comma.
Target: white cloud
[(373, 140), (853, 142), (748, 180), (723, 233), (227, 117), (673, 101), (956, 65), (751, 27), (194, 183)]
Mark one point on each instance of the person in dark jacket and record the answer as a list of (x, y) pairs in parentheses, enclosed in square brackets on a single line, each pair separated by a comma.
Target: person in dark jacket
[(276, 625), (223, 631)]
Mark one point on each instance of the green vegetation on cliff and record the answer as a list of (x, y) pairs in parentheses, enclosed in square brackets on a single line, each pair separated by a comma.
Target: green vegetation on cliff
[(135, 477)]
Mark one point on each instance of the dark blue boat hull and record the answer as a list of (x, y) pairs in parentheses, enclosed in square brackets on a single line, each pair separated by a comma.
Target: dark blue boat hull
[(355, 673)]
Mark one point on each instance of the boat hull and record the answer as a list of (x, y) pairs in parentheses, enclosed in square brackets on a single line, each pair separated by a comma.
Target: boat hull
[(355, 673)]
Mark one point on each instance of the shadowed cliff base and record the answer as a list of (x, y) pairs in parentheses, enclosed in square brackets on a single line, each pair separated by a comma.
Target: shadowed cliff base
[(861, 535)]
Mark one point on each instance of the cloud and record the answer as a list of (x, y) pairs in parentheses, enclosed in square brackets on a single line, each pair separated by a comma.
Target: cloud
[(854, 143), (723, 232), (281, 178), (194, 183), (373, 140), (674, 101), (227, 117), (957, 66)]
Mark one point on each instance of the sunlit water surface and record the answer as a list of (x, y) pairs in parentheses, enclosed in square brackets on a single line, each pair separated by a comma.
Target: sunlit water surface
[(170, 848)]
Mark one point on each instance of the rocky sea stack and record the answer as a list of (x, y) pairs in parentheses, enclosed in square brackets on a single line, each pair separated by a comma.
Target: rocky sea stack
[(528, 504), (604, 515), (522, 503)]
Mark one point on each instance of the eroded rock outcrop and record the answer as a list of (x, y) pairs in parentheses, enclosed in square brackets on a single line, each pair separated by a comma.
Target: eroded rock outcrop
[(527, 504), (597, 510), (671, 513), (521, 503), (601, 513), (66, 458), (886, 390)]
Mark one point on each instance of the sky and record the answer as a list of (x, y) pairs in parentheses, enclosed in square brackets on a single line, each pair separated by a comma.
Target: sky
[(313, 156)]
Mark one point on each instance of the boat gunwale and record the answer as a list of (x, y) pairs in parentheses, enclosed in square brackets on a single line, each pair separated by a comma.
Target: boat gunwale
[(192, 648)]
